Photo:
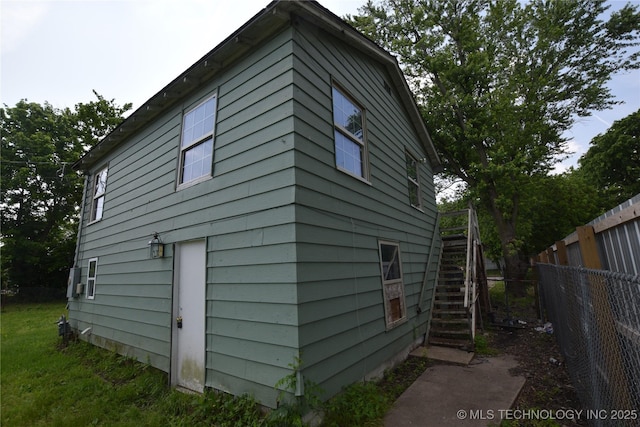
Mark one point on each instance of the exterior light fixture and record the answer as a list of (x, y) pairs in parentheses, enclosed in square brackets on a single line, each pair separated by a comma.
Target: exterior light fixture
[(156, 247)]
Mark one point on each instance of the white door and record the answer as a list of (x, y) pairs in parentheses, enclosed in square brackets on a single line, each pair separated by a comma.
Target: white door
[(188, 355)]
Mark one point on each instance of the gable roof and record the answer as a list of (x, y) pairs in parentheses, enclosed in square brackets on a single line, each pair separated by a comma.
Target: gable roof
[(270, 20)]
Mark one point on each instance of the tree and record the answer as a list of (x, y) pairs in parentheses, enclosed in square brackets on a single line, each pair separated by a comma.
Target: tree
[(547, 217), (41, 193), (612, 162), (498, 82)]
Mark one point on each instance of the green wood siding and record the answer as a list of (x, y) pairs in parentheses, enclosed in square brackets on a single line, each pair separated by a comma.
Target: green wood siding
[(245, 211), (292, 242), (343, 335)]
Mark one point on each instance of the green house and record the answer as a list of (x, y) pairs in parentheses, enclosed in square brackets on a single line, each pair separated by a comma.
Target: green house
[(275, 201)]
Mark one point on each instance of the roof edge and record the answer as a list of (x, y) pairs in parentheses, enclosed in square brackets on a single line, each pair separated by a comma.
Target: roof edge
[(276, 14)]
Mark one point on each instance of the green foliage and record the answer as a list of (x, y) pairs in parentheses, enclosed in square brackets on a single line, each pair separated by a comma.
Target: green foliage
[(212, 409), (482, 347), (360, 404), (41, 193), (46, 384), (499, 83), (293, 408), (612, 163), (551, 207)]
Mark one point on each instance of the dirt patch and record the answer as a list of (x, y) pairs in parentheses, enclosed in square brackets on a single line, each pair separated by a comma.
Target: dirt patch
[(548, 385)]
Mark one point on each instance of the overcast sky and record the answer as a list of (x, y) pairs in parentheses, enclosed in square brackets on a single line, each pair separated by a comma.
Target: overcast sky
[(60, 50)]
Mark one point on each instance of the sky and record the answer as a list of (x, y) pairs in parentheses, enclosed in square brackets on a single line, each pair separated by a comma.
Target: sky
[(59, 51)]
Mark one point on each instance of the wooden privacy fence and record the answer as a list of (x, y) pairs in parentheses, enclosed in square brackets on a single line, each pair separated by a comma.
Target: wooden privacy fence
[(609, 242)]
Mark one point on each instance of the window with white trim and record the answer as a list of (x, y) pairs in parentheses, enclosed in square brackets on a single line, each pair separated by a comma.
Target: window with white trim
[(92, 273), (413, 181), (392, 285), (99, 190), (196, 146), (350, 144)]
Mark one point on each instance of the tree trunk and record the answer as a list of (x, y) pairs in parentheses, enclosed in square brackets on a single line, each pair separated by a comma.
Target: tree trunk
[(515, 267)]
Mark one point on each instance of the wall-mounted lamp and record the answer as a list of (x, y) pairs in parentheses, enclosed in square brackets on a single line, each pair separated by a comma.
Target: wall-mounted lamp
[(156, 247)]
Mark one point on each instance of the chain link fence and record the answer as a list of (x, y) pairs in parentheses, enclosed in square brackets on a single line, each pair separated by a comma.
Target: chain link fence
[(596, 320)]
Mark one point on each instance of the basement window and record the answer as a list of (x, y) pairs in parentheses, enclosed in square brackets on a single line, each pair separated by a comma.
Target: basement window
[(392, 285)]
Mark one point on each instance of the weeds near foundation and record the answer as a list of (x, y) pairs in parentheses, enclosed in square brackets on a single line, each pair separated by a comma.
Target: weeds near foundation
[(292, 409), (360, 404)]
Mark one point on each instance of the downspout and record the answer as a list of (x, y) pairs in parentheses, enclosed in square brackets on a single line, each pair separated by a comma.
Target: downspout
[(80, 222)]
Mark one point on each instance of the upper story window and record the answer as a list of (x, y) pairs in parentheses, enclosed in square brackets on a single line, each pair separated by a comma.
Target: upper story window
[(196, 147), (413, 181), (99, 190), (350, 143)]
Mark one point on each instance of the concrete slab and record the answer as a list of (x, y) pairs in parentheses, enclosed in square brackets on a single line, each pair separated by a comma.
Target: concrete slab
[(449, 395), (444, 354)]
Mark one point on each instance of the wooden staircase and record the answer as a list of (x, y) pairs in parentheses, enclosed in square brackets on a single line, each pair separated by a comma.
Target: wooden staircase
[(461, 278)]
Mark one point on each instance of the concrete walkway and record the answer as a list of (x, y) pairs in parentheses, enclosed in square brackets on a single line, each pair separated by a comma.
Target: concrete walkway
[(475, 392)]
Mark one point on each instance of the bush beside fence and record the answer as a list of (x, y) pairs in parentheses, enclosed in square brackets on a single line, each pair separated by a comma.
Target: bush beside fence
[(33, 294)]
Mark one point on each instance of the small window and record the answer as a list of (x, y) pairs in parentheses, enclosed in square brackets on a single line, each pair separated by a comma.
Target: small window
[(349, 135), (196, 147), (413, 181), (92, 272), (99, 190), (392, 285)]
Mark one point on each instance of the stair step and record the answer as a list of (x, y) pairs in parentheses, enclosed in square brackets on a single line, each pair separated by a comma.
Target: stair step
[(463, 344), (440, 302), (440, 311), (450, 289), (450, 292), (460, 227), (458, 321), (449, 331), (445, 316), (455, 240)]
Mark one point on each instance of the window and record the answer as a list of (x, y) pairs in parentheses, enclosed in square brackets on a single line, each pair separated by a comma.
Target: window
[(196, 148), (349, 135), (412, 181), (392, 286), (99, 189), (91, 278)]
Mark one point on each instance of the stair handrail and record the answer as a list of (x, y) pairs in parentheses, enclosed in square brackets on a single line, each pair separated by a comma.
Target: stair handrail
[(473, 240)]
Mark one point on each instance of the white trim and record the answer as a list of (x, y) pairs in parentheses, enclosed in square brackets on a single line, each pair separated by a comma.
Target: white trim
[(362, 142), (95, 195), (416, 181), (201, 139), (396, 283), (91, 289)]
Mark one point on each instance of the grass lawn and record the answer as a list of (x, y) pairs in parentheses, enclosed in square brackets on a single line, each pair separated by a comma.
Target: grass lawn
[(44, 383)]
